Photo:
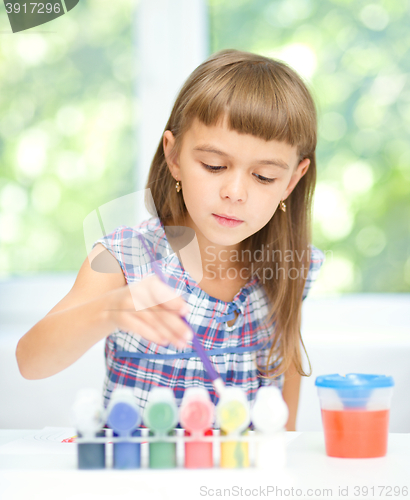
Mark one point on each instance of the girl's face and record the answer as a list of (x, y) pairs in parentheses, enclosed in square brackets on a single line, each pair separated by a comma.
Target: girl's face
[(226, 174)]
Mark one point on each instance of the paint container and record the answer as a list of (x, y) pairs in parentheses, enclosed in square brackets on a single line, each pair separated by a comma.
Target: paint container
[(91, 455), (124, 417), (233, 417), (127, 455), (161, 416), (269, 416), (234, 454), (88, 417), (355, 414), (162, 455), (196, 417)]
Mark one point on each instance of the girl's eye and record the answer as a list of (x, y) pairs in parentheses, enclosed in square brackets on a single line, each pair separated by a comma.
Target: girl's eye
[(211, 168), (264, 180)]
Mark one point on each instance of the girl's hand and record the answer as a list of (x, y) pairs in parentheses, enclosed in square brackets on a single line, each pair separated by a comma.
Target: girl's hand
[(151, 309)]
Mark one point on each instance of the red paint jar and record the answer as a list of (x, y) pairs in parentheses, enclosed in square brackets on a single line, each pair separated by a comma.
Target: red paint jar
[(355, 414), (199, 454)]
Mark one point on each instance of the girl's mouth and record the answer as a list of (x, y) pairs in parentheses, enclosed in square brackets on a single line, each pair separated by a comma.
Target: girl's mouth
[(225, 221)]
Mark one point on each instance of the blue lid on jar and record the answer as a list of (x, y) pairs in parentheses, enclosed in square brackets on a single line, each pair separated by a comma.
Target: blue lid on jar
[(354, 381)]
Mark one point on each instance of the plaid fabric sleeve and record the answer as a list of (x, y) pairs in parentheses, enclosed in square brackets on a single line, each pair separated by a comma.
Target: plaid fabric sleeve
[(114, 243), (125, 245)]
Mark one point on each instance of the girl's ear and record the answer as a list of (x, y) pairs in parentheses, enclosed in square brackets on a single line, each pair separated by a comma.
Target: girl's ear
[(296, 176), (168, 144)]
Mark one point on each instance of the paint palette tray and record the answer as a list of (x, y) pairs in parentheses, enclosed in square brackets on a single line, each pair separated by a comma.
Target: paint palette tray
[(179, 450), (126, 443)]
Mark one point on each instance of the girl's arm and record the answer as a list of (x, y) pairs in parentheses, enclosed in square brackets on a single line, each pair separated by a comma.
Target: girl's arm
[(98, 304), (290, 393)]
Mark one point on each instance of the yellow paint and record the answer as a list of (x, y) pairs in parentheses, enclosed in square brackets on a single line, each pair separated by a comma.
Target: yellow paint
[(232, 416), (234, 454)]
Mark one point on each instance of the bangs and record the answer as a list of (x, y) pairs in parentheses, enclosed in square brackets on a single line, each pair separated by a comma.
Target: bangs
[(263, 98)]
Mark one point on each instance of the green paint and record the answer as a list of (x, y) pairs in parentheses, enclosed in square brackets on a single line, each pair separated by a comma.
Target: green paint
[(239, 455), (162, 455), (161, 417)]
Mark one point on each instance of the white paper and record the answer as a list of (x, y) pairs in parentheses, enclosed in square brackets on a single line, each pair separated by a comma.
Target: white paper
[(46, 441)]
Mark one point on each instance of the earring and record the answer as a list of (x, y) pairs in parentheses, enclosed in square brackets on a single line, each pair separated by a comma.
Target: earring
[(178, 186), (282, 206)]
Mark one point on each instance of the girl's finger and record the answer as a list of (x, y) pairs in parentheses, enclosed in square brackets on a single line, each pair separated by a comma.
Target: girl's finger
[(146, 324), (178, 329), (145, 300), (159, 320), (137, 326), (163, 295)]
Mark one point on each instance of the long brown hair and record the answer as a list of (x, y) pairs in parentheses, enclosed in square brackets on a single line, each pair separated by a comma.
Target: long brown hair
[(267, 99)]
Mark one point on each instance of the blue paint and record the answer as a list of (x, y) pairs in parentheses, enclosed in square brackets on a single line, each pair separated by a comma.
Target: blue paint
[(91, 455), (124, 417), (127, 455)]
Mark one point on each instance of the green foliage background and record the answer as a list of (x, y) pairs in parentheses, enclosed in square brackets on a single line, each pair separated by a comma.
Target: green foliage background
[(356, 59), (66, 132), (67, 127)]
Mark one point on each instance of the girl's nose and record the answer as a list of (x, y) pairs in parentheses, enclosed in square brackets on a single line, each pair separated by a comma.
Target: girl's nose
[(234, 187)]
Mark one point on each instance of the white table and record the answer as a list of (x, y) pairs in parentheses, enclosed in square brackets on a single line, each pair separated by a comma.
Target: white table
[(53, 475)]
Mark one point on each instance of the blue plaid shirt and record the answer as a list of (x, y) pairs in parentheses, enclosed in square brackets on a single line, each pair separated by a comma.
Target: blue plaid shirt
[(235, 350)]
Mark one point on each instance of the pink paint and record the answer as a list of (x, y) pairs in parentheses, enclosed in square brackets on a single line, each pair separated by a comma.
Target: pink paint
[(70, 440), (197, 416), (199, 455)]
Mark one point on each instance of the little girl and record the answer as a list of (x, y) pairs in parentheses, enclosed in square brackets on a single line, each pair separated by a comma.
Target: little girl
[(232, 183)]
